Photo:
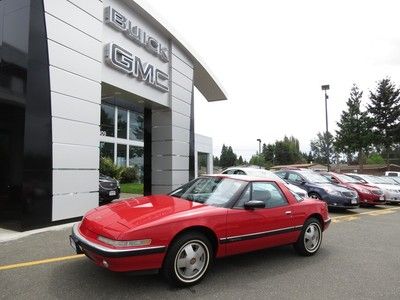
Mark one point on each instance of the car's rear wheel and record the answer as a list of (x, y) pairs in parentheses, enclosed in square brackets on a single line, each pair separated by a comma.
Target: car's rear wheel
[(314, 195), (310, 238), (188, 259)]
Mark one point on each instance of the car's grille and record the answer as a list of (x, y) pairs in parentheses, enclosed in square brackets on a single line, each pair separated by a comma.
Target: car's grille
[(349, 194), (377, 192), (108, 185)]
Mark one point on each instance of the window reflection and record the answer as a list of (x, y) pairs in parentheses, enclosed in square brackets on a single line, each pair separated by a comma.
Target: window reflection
[(122, 123), (136, 124), (121, 155), (136, 158), (107, 150), (107, 120)]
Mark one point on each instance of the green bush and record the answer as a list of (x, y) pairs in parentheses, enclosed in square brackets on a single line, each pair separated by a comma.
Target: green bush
[(107, 167), (129, 175)]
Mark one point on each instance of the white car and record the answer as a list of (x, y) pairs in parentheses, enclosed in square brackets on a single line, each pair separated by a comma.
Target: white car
[(391, 190), (262, 173)]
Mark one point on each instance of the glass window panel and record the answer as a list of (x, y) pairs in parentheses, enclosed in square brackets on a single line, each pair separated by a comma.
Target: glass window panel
[(136, 158), (107, 120), (122, 123), (107, 150), (121, 155), (136, 126)]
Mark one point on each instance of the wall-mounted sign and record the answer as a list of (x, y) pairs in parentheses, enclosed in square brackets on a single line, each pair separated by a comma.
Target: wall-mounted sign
[(119, 22), (124, 61)]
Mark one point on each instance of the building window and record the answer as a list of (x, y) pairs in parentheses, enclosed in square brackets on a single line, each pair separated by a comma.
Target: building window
[(122, 123), (107, 150), (136, 159), (121, 155), (136, 125), (107, 120)]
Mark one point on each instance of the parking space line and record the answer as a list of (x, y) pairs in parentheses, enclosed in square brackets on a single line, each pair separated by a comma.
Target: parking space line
[(40, 262), (372, 213)]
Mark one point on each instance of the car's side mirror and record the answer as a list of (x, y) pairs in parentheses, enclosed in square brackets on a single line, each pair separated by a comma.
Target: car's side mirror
[(253, 204)]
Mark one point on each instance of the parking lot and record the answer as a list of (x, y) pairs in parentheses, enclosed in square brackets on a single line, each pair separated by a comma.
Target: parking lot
[(359, 259)]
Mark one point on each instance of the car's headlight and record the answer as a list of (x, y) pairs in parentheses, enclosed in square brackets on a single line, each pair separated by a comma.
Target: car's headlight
[(364, 191), (133, 243), (118, 185), (394, 191), (334, 192)]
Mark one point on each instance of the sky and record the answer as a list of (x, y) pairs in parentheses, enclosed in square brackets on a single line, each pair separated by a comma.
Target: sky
[(271, 58)]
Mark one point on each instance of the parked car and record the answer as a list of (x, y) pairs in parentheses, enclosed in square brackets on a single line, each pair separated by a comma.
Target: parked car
[(392, 174), (109, 189), (319, 187), (392, 191), (264, 174), (368, 194), (207, 218)]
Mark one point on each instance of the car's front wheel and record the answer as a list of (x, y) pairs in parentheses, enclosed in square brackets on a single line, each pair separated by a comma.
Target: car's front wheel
[(188, 259), (310, 238)]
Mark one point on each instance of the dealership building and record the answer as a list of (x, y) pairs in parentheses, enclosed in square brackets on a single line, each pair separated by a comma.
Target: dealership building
[(84, 79)]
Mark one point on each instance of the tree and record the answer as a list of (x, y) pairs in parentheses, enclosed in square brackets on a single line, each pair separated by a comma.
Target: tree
[(375, 159), (227, 158), (216, 161), (268, 152), (354, 134), (320, 145), (287, 151), (385, 111), (240, 161), (257, 160)]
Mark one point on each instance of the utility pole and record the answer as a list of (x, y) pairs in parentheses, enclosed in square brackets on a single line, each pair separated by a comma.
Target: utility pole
[(259, 150), (326, 88)]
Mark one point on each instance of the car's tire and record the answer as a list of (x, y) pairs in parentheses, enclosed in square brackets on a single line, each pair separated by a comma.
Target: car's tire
[(314, 195), (310, 238), (188, 259)]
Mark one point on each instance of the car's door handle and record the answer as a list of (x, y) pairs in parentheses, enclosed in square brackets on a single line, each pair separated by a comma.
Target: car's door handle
[(288, 212)]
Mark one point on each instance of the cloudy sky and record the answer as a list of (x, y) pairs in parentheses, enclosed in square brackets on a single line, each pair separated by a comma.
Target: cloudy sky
[(272, 57)]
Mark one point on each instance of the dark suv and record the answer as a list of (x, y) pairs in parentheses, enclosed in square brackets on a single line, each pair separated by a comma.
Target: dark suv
[(109, 189), (319, 187)]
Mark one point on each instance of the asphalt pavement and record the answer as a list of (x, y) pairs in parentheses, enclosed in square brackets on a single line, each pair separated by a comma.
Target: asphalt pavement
[(359, 259)]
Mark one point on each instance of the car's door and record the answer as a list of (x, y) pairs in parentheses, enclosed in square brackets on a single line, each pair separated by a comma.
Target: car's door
[(252, 229)]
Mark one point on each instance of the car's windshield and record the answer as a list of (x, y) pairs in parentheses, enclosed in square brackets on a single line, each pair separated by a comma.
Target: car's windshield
[(347, 179), (388, 180), (210, 190), (374, 179), (314, 177)]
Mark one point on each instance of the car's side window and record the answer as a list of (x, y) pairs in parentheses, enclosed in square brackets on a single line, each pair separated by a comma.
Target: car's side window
[(229, 172), (281, 174), (295, 178), (239, 172), (269, 193), (244, 198)]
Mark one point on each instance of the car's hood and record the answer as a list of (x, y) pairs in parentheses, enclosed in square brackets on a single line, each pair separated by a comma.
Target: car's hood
[(385, 186), (331, 186), (129, 214)]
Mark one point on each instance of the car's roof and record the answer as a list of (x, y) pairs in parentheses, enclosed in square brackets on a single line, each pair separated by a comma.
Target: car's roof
[(240, 177)]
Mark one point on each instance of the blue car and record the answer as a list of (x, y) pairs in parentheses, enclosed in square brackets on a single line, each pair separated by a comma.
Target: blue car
[(319, 187)]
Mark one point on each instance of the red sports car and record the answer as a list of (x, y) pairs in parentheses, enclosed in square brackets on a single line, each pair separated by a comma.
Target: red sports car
[(207, 218), (368, 194)]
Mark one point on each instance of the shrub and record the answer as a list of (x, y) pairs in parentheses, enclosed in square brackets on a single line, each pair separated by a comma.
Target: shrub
[(129, 175), (107, 167)]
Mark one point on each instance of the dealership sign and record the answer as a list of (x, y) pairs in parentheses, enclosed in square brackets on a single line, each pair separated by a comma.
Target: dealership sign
[(125, 61)]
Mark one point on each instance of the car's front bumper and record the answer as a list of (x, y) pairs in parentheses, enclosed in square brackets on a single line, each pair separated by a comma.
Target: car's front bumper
[(392, 196), (342, 202), (132, 259)]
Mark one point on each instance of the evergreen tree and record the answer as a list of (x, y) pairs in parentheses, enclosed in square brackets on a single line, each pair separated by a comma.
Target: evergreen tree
[(227, 158), (240, 161), (385, 112), (216, 161), (320, 145), (354, 134)]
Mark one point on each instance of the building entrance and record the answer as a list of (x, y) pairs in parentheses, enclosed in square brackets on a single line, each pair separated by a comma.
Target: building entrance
[(11, 161)]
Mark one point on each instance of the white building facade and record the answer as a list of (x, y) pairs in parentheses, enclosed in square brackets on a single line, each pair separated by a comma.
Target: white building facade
[(99, 78)]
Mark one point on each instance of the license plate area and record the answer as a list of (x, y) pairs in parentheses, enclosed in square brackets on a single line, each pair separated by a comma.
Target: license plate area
[(112, 193)]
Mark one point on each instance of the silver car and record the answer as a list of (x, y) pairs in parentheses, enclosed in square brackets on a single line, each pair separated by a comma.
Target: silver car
[(262, 173)]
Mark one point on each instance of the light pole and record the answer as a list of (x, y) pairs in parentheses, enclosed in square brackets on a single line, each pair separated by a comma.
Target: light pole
[(326, 88), (259, 150)]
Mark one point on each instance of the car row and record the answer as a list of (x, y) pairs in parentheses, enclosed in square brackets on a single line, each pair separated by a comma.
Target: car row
[(390, 188)]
